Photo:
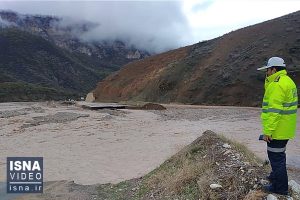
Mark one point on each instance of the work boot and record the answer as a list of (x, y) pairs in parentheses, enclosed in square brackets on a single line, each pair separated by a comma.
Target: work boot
[(270, 189)]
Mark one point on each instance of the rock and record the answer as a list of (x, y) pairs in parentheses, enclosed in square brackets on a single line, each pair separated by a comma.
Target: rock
[(271, 197), (227, 146), (246, 163), (294, 186), (227, 152), (264, 182), (134, 189), (229, 165), (134, 55), (215, 186), (90, 97)]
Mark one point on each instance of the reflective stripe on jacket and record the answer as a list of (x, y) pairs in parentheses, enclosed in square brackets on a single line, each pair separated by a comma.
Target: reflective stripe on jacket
[(279, 107)]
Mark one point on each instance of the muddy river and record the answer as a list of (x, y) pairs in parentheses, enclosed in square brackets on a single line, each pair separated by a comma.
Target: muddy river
[(114, 145)]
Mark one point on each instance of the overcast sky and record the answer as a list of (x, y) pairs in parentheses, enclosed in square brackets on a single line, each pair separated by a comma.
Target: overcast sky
[(160, 25)]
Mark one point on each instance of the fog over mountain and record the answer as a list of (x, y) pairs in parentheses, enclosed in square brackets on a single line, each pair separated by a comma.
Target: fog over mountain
[(42, 57), (5, 23), (153, 26), (157, 26)]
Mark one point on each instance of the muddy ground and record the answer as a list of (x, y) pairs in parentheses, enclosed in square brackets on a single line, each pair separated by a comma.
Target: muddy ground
[(109, 146)]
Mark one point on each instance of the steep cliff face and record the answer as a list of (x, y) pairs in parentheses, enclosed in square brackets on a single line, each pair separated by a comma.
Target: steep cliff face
[(221, 71)]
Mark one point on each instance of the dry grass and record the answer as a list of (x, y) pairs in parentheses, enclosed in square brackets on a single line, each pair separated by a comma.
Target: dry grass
[(189, 173), (255, 195), (181, 170), (203, 183)]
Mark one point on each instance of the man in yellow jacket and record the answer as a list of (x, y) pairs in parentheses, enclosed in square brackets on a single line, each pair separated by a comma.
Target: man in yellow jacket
[(279, 113)]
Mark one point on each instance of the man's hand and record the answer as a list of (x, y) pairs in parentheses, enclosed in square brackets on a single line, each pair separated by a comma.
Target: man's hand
[(267, 138)]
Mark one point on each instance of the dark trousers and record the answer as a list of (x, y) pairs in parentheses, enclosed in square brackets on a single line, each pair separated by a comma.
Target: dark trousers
[(277, 157)]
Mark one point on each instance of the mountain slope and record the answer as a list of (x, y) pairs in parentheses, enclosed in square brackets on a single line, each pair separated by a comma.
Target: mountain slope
[(46, 54), (221, 71), (31, 59), (70, 34)]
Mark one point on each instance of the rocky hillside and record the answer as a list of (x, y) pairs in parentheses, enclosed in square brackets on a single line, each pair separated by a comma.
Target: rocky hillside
[(29, 59), (69, 34), (42, 57), (221, 71)]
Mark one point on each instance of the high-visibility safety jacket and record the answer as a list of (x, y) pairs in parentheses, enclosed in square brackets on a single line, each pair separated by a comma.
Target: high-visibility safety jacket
[(279, 107)]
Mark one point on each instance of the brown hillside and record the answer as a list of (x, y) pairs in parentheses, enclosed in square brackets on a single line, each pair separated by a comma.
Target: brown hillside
[(221, 71)]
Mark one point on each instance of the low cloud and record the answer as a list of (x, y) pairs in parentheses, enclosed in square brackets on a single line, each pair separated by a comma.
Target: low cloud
[(4, 23), (154, 26)]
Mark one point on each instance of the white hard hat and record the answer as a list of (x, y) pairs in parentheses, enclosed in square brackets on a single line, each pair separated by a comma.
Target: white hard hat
[(273, 62)]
